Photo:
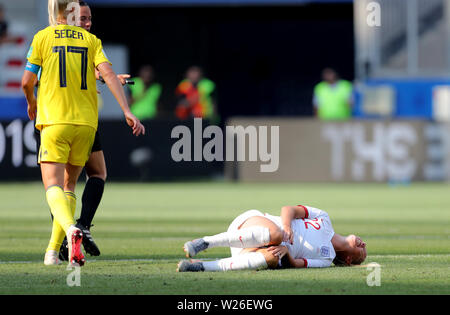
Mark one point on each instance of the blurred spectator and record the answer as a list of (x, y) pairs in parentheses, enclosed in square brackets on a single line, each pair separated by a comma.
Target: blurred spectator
[(3, 25), (195, 97), (333, 97), (145, 94), (4, 36)]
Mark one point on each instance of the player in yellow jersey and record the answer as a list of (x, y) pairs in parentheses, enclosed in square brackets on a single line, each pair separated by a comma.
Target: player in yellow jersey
[(66, 110), (96, 176)]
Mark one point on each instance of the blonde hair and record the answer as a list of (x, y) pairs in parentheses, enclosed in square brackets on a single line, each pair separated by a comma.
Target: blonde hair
[(56, 8)]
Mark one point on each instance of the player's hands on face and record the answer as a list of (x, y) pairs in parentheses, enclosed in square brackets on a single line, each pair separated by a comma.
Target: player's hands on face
[(32, 108), (135, 124), (278, 251), (288, 235), (123, 78)]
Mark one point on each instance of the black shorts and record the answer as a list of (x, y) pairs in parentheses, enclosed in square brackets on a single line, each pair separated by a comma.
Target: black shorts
[(37, 137), (97, 146)]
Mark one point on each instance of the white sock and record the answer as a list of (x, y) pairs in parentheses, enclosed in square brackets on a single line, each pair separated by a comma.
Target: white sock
[(254, 236), (245, 261)]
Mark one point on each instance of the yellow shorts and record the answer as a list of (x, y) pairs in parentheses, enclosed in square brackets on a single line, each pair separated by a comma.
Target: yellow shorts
[(66, 144)]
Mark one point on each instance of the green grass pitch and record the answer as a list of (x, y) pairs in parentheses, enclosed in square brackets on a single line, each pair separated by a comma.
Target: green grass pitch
[(141, 228)]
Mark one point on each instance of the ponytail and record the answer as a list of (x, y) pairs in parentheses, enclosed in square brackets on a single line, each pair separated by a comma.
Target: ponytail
[(52, 12)]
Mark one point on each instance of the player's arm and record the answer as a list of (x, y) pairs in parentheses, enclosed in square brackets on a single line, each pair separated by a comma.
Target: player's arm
[(289, 213), (297, 263), (317, 263), (301, 212), (287, 261), (122, 77), (116, 89), (29, 80), (294, 212)]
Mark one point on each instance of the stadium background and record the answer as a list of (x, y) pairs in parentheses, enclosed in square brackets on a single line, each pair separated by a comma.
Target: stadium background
[(265, 58)]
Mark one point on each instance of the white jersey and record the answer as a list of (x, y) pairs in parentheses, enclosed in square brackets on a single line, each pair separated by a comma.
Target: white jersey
[(312, 237)]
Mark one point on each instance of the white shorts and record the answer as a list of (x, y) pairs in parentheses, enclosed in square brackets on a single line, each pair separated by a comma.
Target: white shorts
[(238, 222)]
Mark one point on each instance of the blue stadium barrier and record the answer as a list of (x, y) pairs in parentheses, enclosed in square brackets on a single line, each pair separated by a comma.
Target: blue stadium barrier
[(413, 97), (13, 107)]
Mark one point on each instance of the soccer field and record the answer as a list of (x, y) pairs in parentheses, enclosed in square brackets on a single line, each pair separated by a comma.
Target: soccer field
[(141, 228)]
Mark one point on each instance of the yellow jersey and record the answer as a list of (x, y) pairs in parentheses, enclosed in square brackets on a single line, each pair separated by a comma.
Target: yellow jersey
[(67, 94)]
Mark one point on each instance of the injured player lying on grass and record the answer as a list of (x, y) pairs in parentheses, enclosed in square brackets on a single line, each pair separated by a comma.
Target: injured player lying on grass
[(301, 237)]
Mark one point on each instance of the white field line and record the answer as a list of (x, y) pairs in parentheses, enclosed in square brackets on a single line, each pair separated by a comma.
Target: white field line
[(370, 257)]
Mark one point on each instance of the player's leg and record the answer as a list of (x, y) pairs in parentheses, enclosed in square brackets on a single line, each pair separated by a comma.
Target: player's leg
[(81, 145), (92, 194), (51, 254), (81, 148), (93, 191), (72, 172), (248, 259), (53, 178), (37, 138), (57, 249), (249, 230), (53, 156)]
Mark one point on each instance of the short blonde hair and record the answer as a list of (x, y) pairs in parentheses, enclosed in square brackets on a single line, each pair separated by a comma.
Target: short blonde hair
[(55, 8)]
